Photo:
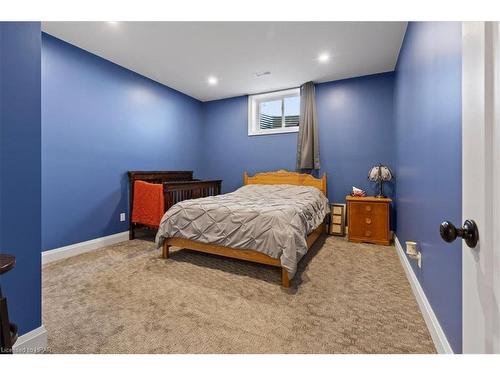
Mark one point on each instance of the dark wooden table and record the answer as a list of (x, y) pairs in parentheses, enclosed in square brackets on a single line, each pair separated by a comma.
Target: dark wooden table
[(7, 262), (8, 330)]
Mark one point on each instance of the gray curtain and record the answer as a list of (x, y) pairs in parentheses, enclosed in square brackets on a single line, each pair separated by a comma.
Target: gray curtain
[(308, 139)]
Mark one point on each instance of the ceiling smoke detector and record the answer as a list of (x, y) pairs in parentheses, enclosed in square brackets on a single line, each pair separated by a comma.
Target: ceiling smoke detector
[(262, 74)]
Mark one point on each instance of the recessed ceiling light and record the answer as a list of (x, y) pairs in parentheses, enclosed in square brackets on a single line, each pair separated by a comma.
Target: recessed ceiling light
[(323, 57), (212, 80), (113, 23)]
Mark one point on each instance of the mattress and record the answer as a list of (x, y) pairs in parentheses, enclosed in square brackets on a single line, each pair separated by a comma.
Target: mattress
[(271, 219)]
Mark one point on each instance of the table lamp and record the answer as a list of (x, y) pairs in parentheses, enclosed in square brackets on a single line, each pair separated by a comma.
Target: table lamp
[(380, 173)]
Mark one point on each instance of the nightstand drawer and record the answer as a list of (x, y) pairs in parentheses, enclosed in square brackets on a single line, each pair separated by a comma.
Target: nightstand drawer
[(337, 210), (375, 229), (367, 209), (336, 219)]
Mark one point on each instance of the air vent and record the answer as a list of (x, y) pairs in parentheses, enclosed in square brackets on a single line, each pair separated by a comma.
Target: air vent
[(262, 74)]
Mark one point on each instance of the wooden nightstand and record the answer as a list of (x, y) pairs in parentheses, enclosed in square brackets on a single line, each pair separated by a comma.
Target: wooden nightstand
[(368, 219)]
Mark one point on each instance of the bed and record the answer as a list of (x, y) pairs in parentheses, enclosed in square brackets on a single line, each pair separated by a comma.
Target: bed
[(273, 219)]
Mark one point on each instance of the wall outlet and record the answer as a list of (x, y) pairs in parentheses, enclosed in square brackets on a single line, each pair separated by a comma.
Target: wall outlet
[(122, 216), (413, 253)]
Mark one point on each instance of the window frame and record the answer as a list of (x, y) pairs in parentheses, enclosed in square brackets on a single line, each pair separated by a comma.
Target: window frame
[(254, 112)]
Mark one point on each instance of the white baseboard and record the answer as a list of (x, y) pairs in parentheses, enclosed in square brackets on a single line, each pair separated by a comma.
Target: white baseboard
[(438, 337), (82, 247), (32, 342)]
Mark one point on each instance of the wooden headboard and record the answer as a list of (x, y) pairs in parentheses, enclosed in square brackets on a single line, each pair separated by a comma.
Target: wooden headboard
[(283, 177)]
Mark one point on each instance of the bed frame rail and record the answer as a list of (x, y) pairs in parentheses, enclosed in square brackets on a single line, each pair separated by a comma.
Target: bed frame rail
[(242, 254)]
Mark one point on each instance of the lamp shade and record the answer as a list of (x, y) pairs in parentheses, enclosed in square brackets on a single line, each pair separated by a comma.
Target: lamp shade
[(380, 172)]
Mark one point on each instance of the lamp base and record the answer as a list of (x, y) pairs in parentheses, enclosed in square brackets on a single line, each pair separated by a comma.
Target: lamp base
[(380, 196)]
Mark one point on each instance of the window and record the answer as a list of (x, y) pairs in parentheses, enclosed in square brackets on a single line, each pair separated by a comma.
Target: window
[(274, 112)]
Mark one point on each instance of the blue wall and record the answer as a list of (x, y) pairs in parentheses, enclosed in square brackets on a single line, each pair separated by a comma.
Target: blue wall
[(355, 119), (429, 148), (20, 169), (229, 151), (100, 120)]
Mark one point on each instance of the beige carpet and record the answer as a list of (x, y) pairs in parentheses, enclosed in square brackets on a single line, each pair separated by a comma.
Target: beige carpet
[(347, 298)]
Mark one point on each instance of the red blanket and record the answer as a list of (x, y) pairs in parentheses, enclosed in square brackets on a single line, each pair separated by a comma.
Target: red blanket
[(148, 206)]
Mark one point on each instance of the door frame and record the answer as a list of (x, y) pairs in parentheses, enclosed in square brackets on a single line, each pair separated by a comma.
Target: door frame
[(481, 185)]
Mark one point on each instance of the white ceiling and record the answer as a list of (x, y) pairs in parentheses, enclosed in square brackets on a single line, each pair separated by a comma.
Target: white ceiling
[(182, 55)]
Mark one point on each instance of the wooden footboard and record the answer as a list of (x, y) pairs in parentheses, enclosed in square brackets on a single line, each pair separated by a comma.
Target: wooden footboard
[(243, 254)]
